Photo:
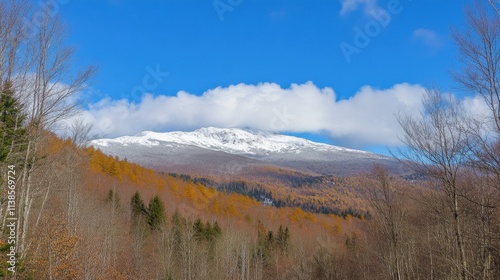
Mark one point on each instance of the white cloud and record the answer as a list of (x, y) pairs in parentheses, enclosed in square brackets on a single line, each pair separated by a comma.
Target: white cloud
[(428, 37), (367, 118), (369, 6)]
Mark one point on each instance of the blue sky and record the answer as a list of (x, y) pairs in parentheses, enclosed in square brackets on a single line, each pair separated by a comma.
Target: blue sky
[(235, 63)]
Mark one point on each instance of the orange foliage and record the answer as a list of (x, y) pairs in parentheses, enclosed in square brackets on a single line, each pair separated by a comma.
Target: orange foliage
[(297, 215), (57, 256), (189, 192), (123, 170), (215, 207), (197, 195), (231, 210), (310, 217)]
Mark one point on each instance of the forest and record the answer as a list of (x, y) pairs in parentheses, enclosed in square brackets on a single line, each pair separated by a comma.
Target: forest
[(69, 211)]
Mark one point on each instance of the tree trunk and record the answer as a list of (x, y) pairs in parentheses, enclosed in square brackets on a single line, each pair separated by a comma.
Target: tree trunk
[(459, 237)]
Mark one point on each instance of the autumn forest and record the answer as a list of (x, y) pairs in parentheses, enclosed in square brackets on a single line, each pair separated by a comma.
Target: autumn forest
[(69, 211)]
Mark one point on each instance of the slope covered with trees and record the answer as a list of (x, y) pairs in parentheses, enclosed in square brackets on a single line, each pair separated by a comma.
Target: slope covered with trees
[(71, 212)]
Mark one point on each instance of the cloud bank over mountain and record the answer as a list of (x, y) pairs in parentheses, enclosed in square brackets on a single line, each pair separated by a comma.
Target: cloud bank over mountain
[(366, 118)]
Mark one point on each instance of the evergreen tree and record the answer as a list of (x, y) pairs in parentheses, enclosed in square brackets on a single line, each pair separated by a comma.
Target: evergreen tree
[(282, 238), (217, 231), (206, 231), (199, 230), (265, 244), (287, 235), (209, 232), (270, 239), (178, 223), (213, 232), (113, 198), (177, 219), (137, 205), (156, 211), (12, 133)]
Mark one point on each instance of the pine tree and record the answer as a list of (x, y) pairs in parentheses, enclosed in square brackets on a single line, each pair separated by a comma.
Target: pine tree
[(270, 242), (178, 223), (209, 232), (13, 134), (156, 211), (137, 205), (265, 243), (113, 198), (213, 232), (217, 231), (199, 230), (177, 219), (282, 238)]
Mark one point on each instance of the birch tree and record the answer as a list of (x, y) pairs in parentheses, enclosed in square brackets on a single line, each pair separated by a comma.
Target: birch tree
[(436, 146), (479, 46), (48, 88)]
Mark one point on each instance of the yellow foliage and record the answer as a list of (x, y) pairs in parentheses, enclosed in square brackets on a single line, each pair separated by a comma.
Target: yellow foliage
[(337, 227), (189, 192), (348, 218), (297, 215), (325, 225), (310, 217), (206, 192), (231, 210), (173, 185), (248, 218), (215, 208)]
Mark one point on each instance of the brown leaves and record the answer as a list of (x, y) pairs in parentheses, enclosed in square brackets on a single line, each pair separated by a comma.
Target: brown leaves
[(56, 254)]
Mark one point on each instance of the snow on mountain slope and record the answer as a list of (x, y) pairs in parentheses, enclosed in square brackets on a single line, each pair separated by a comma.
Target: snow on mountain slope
[(217, 150), (229, 140)]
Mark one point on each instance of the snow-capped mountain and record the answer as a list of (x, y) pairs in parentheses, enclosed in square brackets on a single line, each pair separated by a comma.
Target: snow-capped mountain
[(212, 148), (229, 140)]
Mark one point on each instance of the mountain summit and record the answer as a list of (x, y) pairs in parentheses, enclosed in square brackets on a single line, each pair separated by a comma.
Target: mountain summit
[(206, 149), (230, 140)]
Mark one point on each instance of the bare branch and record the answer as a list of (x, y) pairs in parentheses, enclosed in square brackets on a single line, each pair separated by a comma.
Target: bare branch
[(494, 6)]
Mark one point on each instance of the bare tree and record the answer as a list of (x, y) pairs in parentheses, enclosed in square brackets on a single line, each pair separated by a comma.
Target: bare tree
[(48, 88), (479, 46), (480, 54), (494, 5), (389, 216), (80, 132), (436, 145), (13, 62)]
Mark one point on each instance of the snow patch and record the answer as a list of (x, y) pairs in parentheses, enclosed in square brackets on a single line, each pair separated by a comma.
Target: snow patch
[(230, 140)]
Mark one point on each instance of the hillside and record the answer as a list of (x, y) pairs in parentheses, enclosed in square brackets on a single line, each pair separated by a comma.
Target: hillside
[(99, 217), (87, 217), (246, 201), (216, 151), (282, 170)]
